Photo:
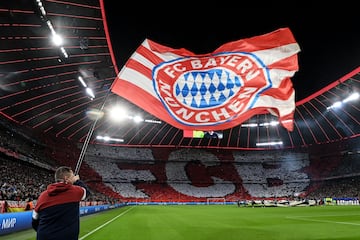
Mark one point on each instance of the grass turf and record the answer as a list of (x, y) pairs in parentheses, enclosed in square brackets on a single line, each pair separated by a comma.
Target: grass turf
[(216, 222)]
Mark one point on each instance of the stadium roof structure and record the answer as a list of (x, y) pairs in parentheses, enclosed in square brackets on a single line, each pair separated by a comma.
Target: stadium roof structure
[(40, 88)]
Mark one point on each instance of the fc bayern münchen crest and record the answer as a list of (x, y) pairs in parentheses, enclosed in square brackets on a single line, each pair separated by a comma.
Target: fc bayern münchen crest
[(212, 89)]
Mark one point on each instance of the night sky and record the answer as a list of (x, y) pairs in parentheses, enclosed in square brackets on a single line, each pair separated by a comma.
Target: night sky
[(329, 40)]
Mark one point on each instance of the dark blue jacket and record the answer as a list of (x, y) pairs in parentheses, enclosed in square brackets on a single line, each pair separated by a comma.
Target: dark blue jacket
[(57, 215)]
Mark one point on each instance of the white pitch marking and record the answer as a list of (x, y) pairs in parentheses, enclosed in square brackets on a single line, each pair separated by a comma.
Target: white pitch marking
[(101, 226), (324, 221)]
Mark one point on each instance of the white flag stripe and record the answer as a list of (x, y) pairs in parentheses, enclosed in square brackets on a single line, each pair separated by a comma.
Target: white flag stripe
[(284, 107), (168, 56), (145, 43), (143, 61), (142, 81), (278, 75), (270, 56)]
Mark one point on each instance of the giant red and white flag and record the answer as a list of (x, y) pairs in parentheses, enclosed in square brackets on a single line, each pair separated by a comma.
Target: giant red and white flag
[(214, 91)]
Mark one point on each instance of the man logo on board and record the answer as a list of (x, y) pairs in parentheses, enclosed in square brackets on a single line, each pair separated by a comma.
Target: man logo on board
[(212, 89)]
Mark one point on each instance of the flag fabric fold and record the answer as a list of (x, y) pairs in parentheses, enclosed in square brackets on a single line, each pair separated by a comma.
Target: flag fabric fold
[(214, 91)]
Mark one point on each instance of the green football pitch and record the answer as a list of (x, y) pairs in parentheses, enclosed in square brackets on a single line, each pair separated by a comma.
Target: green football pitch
[(217, 222)]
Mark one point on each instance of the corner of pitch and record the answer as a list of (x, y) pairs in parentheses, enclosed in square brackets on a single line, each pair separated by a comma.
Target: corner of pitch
[(209, 90)]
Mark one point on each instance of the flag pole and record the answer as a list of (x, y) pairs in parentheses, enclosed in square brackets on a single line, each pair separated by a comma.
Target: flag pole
[(89, 135), (91, 130)]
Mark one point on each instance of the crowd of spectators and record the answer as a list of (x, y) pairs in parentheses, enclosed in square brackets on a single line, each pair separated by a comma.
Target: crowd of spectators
[(22, 183), (24, 179)]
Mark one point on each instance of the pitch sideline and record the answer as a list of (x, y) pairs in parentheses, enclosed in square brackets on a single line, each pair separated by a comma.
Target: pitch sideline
[(103, 225)]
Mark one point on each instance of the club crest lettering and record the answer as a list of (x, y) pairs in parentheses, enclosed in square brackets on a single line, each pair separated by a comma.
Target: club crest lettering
[(212, 89)]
